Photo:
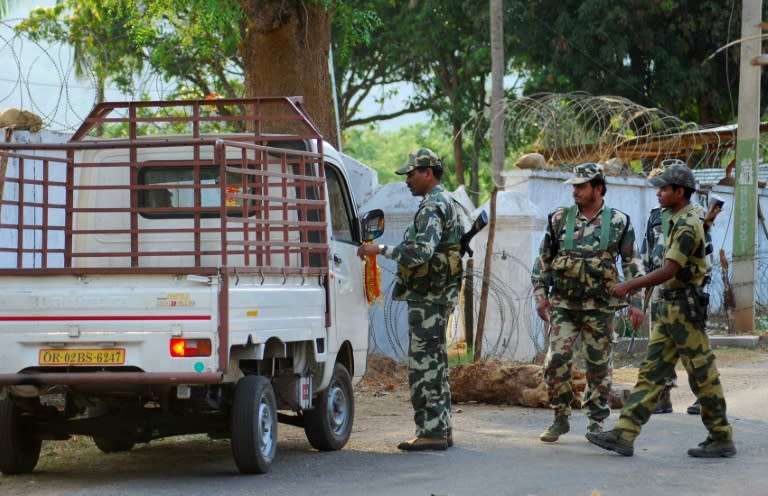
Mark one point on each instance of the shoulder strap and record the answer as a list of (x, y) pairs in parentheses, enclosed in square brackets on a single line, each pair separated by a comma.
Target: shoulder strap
[(570, 223), (665, 216), (605, 227)]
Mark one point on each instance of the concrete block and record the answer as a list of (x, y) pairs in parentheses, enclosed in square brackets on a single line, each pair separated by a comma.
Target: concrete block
[(734, 341)]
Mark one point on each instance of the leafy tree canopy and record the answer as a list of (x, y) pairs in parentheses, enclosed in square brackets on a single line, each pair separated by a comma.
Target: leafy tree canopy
[(650, 51)]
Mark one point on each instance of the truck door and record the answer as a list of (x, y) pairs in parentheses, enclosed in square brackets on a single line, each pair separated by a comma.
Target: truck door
[(350, 310)]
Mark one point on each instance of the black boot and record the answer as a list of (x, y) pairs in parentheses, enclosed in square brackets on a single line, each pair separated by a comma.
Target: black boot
[(664, 404), (695, 409)]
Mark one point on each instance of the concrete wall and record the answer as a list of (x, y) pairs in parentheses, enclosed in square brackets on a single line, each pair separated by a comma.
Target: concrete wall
[(634, 196), (512, 330)]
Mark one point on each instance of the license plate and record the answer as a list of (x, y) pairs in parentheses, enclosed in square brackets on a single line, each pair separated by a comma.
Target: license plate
[(82, 356)]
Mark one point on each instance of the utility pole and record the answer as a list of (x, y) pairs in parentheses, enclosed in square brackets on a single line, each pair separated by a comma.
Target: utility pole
[(497, 157), (747, 163)]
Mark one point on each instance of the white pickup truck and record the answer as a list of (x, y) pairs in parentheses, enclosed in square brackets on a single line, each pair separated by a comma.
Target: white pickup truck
[(198, 275)]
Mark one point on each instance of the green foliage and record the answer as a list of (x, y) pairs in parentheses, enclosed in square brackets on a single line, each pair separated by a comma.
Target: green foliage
[(102, 49), (386, 151), (165, 121), (649, 51), (443, 50), (622, 326), (353, 27), (761, 324), (462, 355), (368, 54)]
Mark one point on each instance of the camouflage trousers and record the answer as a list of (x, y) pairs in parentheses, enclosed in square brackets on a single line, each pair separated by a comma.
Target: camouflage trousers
[(428, 368), (654, 308), (595, 329), (675, 337)]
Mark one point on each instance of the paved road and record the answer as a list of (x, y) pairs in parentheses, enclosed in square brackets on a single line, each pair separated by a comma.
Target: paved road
[(497, 452)]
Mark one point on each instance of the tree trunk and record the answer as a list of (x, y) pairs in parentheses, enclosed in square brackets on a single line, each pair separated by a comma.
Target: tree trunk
[(285, 52)]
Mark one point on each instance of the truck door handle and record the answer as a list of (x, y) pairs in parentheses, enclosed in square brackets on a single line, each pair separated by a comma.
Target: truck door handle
[(336, 259)]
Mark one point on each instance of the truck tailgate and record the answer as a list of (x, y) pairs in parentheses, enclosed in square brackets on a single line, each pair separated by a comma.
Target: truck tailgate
[(116, 322)]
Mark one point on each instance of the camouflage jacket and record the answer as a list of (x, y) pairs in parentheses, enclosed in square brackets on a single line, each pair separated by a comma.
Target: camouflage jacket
[(429, 267), (652, 249), (580, 277), (687, 247)]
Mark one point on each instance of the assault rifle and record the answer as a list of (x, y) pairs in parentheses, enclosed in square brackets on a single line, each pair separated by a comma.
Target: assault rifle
[(480, 222)]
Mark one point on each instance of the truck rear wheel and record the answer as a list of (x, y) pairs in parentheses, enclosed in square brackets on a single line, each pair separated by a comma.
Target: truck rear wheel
[(19, 448), (112, 444), (329, 424), (254, 425)]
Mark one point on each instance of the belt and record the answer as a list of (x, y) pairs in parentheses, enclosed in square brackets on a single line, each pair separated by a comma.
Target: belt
[(677, 294)]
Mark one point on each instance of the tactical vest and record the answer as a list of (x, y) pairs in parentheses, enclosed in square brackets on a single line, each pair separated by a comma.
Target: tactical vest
[(441, 272), (585, 272)]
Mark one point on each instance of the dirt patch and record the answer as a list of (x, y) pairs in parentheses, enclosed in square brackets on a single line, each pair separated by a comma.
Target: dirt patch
[(383, 374), (625, 375), (499, 382)]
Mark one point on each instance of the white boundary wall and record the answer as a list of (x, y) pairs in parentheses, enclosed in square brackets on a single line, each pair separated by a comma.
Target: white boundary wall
[(513, 331)]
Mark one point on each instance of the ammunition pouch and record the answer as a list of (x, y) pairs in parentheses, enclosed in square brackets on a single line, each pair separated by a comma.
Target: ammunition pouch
[(442, 271), (576, 277)]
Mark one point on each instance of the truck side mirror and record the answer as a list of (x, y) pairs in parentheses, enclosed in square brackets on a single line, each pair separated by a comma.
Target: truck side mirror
[(372, 224)]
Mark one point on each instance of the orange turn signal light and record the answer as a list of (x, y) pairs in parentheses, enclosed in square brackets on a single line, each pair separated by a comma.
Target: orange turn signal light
[(183, 347)]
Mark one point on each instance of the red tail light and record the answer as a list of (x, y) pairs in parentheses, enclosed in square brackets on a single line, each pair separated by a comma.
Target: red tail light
[(182, 347)]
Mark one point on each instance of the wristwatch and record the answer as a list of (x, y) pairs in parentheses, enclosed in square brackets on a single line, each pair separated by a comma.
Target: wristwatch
[(382, 249)]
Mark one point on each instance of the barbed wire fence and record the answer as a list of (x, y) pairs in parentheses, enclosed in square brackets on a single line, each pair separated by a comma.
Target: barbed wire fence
[(570, 128), (40, 77), (509, 307)]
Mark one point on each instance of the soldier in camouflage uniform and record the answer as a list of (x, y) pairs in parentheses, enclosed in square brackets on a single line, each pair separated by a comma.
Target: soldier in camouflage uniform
[(429, 272), (652, 252), (571, 277), (679, 332)]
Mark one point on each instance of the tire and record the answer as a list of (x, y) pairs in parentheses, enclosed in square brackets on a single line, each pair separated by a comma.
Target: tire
[(113, 445), (329, 424), (19, 448), (254, 425)]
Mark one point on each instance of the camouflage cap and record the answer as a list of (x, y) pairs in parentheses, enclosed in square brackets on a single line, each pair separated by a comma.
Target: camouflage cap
[(423, 157), (585, 172), (676, 174)]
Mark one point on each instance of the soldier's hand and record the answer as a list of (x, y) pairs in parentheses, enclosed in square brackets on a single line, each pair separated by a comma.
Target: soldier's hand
[(620, 290), (543, 307), (635, 317), (367, 249)]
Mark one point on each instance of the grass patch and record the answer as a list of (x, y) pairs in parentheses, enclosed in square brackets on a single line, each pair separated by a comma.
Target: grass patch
[(459, 353)]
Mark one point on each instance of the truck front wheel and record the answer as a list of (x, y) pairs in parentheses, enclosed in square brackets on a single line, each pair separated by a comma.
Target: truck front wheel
[(19, 448), (329, 424), (254, 425)]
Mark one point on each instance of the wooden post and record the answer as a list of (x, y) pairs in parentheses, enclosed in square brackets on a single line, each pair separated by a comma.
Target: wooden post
[(747, 161), (497, 156)]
